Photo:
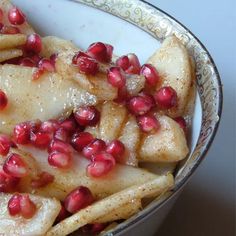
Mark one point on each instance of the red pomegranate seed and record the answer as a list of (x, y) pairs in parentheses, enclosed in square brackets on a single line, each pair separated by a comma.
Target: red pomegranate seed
[(49, 126), (35, 58), (135, 66), (27, 206), (102, 163), (88, 115), (8, 183), (33, 44), (77, 56), (62, 134), (60, 159), (182, 122), (16, 16), (116, 148), (97, 228), (122, 96), (5, 144), (38, 73), (78, 199), (60, 146), (150, 73), (62, 214), (166, 97), (123, 62), (3, 100), (69, 124), (13, 206), (148, 123), (96, 146), (15, 166), (21, 133), (85, 63), (141, 104), (27, 62), (10, 30), (1, 15), (116, 77), (40, 139), (81, 140), (100, 51), (43, 180), (46, 65)]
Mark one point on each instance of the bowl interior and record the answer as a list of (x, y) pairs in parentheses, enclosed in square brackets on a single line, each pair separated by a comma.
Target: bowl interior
[(84, 25)]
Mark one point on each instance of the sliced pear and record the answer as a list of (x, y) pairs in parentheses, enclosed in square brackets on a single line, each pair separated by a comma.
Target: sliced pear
[(48, 97), (6, 5), (96, 85), (65, 181), (113, 116), (134, 84), (12, 40), (38, 225), (10, 54), (167, 145), (122, 213), (130, 137), (174, 66)]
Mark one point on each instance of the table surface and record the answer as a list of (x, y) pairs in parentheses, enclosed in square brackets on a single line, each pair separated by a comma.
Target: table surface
[(207, 204)]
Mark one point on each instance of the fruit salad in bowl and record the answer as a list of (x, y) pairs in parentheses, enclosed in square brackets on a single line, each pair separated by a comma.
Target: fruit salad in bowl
[(87, 138)]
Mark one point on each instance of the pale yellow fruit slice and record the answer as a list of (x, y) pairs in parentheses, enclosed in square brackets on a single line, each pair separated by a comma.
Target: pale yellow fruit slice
[(10, 54), (173, 63), (12, 40), (167, 145), (38, 225), (48, 97)]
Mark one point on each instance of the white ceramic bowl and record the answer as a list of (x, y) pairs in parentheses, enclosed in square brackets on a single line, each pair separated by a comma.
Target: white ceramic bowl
[(135, 26)]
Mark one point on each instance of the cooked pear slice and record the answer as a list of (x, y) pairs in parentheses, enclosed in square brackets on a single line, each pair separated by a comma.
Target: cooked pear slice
[(39, 224), (96, 85), (167, 145), (122, 213), (134, 84), (155, 187), (130, 137), (12, 40), (10, 54), (174, 66), (65, 181), (112, 118), (48, 97), (6, 5)]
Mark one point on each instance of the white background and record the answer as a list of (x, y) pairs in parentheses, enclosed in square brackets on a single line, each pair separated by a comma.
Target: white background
[(207, 205)]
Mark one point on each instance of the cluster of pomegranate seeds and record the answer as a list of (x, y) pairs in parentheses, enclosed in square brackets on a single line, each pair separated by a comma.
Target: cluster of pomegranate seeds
[(141, 104), (182, 122), (15, 166), (21, 204), (5, 144), (94, 147), (78, 199), (87, 116), (148, 123), (3, 100), (129, 63), (116, 77), (102, 163), (150, 73), (166, 97), (43, 180), (8, 183), (16, 16), (80, 140), (100, 51), (85, 63)]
